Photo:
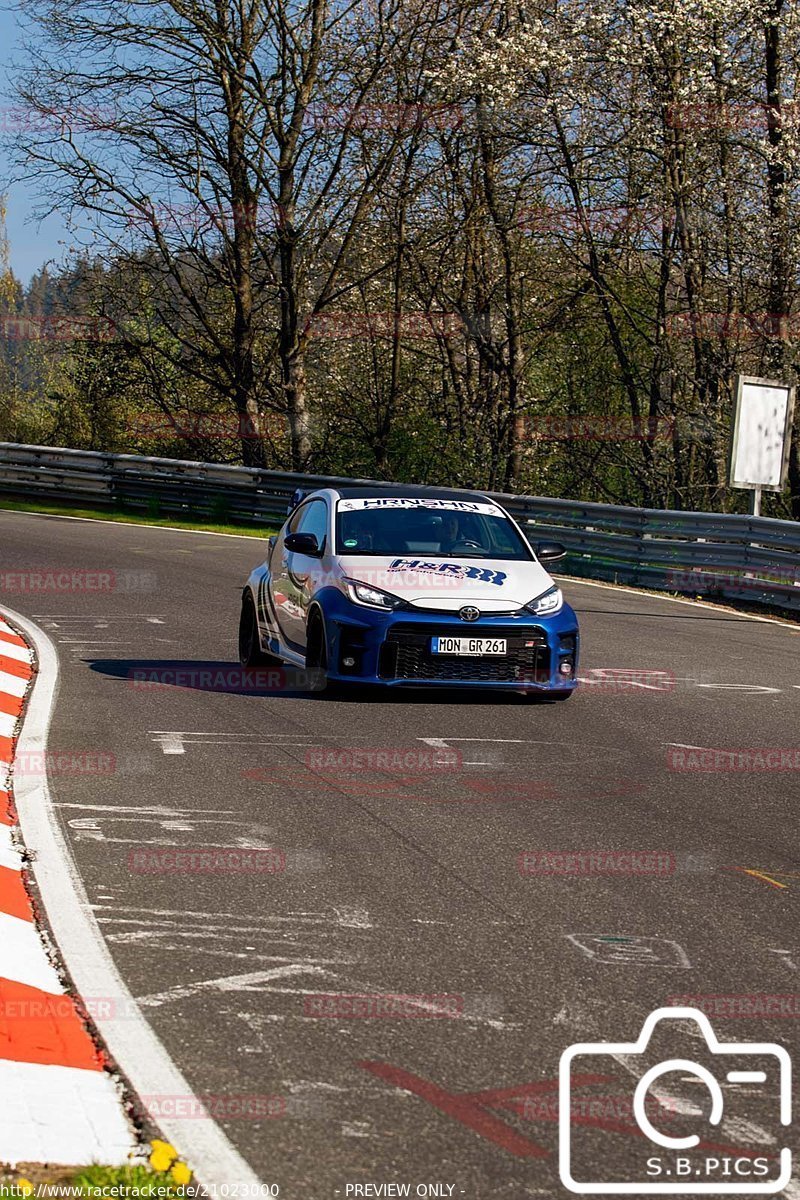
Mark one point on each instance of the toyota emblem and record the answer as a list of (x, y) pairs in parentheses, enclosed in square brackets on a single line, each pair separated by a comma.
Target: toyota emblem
[(469, 613)]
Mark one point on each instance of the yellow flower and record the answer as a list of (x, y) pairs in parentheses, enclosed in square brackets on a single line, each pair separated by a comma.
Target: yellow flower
[(180, 1174), (25, 1186), (162, 1155)]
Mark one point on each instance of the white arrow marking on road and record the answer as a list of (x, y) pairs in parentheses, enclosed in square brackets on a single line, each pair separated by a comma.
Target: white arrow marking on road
[(232, 983)]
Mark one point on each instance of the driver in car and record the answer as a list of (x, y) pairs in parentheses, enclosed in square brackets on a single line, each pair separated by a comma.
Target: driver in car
[(455, 533)]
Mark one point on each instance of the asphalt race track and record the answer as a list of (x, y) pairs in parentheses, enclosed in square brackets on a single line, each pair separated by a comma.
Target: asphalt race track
[(410, 883)]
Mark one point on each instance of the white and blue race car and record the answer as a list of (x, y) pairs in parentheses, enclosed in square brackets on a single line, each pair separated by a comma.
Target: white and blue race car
[(410, 586)]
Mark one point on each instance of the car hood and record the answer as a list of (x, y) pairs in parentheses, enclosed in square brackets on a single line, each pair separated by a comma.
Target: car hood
[(493, 585)]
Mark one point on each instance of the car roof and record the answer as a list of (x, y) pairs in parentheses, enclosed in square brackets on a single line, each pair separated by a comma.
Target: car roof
[(410, 491)]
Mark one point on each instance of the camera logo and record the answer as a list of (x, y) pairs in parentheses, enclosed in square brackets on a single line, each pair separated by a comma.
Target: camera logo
[(714, 1165)]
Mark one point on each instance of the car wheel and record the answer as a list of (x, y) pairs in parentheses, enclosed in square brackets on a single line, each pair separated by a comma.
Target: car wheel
[(317, 653), (250, 652)]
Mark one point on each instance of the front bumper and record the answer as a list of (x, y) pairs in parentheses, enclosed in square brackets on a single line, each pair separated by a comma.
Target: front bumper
[(393, 649)]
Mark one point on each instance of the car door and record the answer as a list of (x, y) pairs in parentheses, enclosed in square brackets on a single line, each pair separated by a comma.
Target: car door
[(277, 582), (297, 575)]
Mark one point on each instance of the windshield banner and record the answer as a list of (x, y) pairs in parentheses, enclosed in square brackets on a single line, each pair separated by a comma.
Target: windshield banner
[(388, 502)]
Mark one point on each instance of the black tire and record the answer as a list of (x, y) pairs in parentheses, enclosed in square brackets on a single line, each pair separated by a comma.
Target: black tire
[(317, 653), (250, 652)]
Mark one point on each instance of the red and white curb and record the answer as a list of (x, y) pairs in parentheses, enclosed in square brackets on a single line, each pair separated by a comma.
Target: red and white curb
[(58, 1104), (41, 1119)]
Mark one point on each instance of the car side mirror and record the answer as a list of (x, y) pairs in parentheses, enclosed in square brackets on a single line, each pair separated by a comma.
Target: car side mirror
[(548, 552), (302, 543)]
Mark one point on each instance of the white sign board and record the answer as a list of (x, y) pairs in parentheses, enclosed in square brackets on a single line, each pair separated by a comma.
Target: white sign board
[(762, 430)]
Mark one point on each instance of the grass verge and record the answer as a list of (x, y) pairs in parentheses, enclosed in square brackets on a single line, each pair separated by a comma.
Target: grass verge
[(174, 521), (162, 1177)]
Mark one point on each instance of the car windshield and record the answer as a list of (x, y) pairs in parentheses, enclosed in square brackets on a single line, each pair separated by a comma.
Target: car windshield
[(435, 528)]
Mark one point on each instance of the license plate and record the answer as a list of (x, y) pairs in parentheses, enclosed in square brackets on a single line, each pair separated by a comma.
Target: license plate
[(468, 646)]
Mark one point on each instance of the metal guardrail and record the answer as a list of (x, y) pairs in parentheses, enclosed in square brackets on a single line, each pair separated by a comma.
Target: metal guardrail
[(722, 555)]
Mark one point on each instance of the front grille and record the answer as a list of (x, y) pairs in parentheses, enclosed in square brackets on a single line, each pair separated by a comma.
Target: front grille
[(406, 655)]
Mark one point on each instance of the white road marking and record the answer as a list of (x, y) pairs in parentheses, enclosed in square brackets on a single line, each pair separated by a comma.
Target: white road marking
[(786, 955), (174, 741), (148, 809), (591, 681), (171, 743), (353, 918), (629, 950), (130, 1040), (250, 982), (444, 742), (754, 689), (168, 926), (309, 918)]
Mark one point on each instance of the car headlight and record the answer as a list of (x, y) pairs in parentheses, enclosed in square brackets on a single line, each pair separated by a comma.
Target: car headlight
[(549, 602), (373, 597)]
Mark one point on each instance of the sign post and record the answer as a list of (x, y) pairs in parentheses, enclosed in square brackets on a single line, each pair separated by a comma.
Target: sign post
[(761, 437)]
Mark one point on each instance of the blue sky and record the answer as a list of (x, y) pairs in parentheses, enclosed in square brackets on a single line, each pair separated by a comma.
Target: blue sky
[(32, 243)]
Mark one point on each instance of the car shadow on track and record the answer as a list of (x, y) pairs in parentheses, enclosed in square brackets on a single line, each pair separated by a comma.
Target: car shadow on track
[(154, 675)]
